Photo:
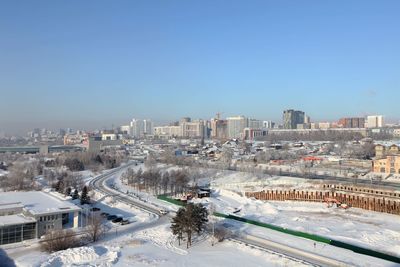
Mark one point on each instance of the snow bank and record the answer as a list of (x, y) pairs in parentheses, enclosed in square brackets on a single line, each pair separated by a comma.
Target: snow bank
[(162, 237), (99, 256)]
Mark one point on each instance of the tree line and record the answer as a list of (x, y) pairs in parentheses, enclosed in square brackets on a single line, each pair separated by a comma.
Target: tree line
[(155, 181)]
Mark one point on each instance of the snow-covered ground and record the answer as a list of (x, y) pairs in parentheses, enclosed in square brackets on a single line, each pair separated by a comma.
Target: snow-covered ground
[(3, 172), (149, 242), (157, 247), (370, 229), (360, 227)]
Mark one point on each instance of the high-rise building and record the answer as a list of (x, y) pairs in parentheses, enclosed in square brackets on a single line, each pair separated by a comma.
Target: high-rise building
[(292, 117), (148, 127), (168, 131), (268, 124), (375, 121), (192, 129), (352, 122), (255, 124), (236, 126), (219, 129), (307, 119), (137, 128)]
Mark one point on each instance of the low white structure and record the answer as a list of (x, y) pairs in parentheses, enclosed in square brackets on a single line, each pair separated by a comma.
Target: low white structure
[(28, 215)]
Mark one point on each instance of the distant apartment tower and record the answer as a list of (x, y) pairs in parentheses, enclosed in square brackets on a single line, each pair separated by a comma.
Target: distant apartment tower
[(268, 124), (192, 129), (137, 128), (236, 126), (219, 129), (352, 122), (291, 118), (148, 127), (140, 128), (375, 121), (255, 124), (167, 131)]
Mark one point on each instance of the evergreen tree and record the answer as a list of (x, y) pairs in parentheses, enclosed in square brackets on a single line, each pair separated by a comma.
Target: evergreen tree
[(68, 191), (60, 186), (177, 224), (190, 219), (75, 195), (84, 196)]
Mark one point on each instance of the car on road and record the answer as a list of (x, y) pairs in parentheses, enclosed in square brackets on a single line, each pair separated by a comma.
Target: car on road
[(104, 214), (111, 217), (117, 220), (163, 212), (124, 222), (94, 209)]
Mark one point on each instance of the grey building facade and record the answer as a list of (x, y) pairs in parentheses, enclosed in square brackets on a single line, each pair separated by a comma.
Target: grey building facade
[(292, 117)]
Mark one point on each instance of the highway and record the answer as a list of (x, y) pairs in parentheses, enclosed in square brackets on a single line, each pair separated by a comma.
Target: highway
[(99, 183)]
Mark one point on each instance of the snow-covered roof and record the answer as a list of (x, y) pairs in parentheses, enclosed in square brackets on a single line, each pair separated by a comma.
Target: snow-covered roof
[(11, 206), (37, 202), (15, 219)]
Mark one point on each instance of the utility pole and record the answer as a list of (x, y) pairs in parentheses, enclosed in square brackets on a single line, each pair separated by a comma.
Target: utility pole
[(211, 214)]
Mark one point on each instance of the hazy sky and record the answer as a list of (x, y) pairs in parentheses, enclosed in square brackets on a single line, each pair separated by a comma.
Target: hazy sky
[(97, 63)]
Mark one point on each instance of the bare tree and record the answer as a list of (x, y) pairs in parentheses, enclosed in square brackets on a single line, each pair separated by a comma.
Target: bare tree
[(221, 233), (59, 240), (96, 227)]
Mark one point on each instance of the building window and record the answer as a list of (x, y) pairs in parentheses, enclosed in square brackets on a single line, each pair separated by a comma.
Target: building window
[(29, 231), (382, 169)]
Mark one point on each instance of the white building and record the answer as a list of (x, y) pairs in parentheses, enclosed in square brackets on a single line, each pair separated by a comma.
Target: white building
[(375, 121), (168, 131), (236, 126), (137, 128), (268, 124), (252, 134), (140, 128), (192, 129), (29, 215), (148, 127), (126, 129)]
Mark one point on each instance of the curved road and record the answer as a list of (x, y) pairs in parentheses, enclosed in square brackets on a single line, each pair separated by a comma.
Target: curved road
[(99, 183)]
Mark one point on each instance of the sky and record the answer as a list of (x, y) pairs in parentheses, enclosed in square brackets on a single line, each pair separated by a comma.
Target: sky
[(94, 64)]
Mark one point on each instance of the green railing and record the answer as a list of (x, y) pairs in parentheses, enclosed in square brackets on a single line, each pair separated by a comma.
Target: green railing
[(275, 228), (171, 200)]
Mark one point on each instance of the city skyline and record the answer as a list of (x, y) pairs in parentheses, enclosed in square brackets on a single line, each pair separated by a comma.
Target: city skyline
[(81, 66)]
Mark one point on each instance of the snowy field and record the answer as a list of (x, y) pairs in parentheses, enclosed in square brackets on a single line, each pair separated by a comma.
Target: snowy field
[(149, 242), (157, 247), (360, 227)]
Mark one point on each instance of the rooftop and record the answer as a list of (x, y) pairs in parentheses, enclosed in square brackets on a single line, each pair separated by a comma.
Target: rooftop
[(15, 219), (37, 202)]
